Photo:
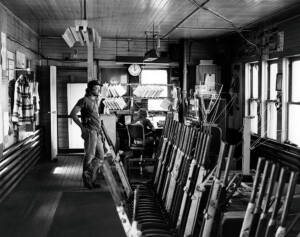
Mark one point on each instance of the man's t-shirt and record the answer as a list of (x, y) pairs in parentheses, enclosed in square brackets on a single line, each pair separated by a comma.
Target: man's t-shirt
[(148, 126), (90, 113)]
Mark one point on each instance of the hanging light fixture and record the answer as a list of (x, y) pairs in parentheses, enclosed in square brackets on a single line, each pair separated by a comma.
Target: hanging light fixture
[(81, 32), (152, 54)]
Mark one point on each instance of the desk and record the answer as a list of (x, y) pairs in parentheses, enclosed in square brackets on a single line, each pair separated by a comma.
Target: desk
[(155, 120), (109, 122)]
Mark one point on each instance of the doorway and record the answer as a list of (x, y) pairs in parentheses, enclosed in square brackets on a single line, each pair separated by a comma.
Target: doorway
[(76, 78), (75, 92)]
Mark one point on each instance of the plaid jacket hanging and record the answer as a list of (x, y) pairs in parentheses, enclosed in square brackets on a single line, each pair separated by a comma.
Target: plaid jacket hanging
[(23, 107)]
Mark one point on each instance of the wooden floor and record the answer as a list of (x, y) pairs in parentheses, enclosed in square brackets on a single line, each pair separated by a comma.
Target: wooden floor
[(31, 208)]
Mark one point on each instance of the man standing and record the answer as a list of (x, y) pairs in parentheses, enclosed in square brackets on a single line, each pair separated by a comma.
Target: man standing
[(90, 125)]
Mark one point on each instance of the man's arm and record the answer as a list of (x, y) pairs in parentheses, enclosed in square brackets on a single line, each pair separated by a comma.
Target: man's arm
[(150, 125), (75, 117)]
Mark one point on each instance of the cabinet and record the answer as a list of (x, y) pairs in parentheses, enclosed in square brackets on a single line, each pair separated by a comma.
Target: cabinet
[(202, 70)]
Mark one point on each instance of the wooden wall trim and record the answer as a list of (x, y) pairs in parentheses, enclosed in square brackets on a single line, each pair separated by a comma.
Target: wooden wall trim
[(17, 161), (22, 22)]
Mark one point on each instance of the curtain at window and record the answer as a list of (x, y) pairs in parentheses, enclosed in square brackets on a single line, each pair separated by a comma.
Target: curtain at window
[(293, 124), (254, 121), (271, 120)]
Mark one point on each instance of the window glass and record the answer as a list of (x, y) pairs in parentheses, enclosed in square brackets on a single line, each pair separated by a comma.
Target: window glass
[(150, 76), (296, 81), (271, 120), (272, 86), (293, 124), (254, 121), (255, 81)]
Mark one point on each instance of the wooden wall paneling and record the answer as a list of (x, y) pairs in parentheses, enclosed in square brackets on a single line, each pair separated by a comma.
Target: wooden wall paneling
[(22, 38), (21, 32), (201, 50), (113, 73), (17, 161), (291, 36), (291, 41), (110, 48)]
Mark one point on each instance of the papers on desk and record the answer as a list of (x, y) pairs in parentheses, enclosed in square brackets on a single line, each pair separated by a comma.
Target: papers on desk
[(157, 121)]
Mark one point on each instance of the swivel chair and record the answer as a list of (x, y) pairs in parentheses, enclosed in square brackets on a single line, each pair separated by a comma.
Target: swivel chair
[(136, 138)]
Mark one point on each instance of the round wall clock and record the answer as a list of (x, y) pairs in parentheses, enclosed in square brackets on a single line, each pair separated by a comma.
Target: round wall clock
[(134, 69)]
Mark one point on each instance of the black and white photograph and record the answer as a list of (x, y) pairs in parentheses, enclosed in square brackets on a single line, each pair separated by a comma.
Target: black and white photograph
[(149, 118)]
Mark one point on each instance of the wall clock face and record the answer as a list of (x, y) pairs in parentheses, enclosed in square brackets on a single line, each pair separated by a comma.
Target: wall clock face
[(134, 69)]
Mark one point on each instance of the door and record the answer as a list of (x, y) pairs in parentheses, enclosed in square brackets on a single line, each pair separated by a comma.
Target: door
[(1, 120), (53, 112), (75, 91)]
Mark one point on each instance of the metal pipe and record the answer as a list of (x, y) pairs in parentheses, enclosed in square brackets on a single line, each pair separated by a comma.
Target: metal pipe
[(84, 9), (184, 19), (208, 28)]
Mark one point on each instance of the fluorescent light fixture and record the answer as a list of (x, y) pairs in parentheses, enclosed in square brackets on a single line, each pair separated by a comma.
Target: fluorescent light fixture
[(81, 24), (81, 33), (94, 33), (90, 34), (77, 35), (69, 38), (85, 35), (98, 40)]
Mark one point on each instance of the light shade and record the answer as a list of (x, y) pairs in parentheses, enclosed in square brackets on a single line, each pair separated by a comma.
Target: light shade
[(151, 55), (69, 38)]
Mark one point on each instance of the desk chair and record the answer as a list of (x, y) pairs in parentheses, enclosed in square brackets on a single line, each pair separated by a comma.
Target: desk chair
[(136, 136)]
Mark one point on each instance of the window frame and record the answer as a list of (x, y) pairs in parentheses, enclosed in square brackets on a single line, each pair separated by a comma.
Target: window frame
[(159, 84), (251, 98), (290, 89), (268, 99), (155, 69)]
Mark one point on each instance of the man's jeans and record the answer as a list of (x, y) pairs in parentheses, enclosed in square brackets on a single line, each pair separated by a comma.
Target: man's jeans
[(94, 153)]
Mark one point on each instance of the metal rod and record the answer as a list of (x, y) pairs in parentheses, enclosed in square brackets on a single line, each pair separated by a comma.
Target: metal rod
[(184, 19), (84, 9)]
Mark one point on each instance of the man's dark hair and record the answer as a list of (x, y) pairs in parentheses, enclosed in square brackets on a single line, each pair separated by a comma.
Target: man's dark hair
[(90, 86), (93, 83), (142, 113)]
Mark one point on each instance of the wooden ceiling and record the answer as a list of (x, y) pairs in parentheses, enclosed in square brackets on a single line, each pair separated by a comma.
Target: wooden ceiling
[(131, 18)]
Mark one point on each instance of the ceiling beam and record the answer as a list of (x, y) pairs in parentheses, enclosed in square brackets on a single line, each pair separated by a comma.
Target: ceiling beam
[(113, 38), (184, 19), (209, 28)]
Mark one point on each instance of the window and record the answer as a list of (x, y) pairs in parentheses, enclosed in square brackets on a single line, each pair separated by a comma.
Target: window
[(271, 110), (253, 100), (294, 102), (154, 77)]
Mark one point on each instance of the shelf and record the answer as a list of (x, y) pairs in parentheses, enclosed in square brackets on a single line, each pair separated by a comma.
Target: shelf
[(120, 111), (151, 98), (135, 97), (130, 112)]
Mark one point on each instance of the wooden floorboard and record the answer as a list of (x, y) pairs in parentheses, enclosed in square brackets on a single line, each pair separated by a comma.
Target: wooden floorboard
[(30, 208)]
